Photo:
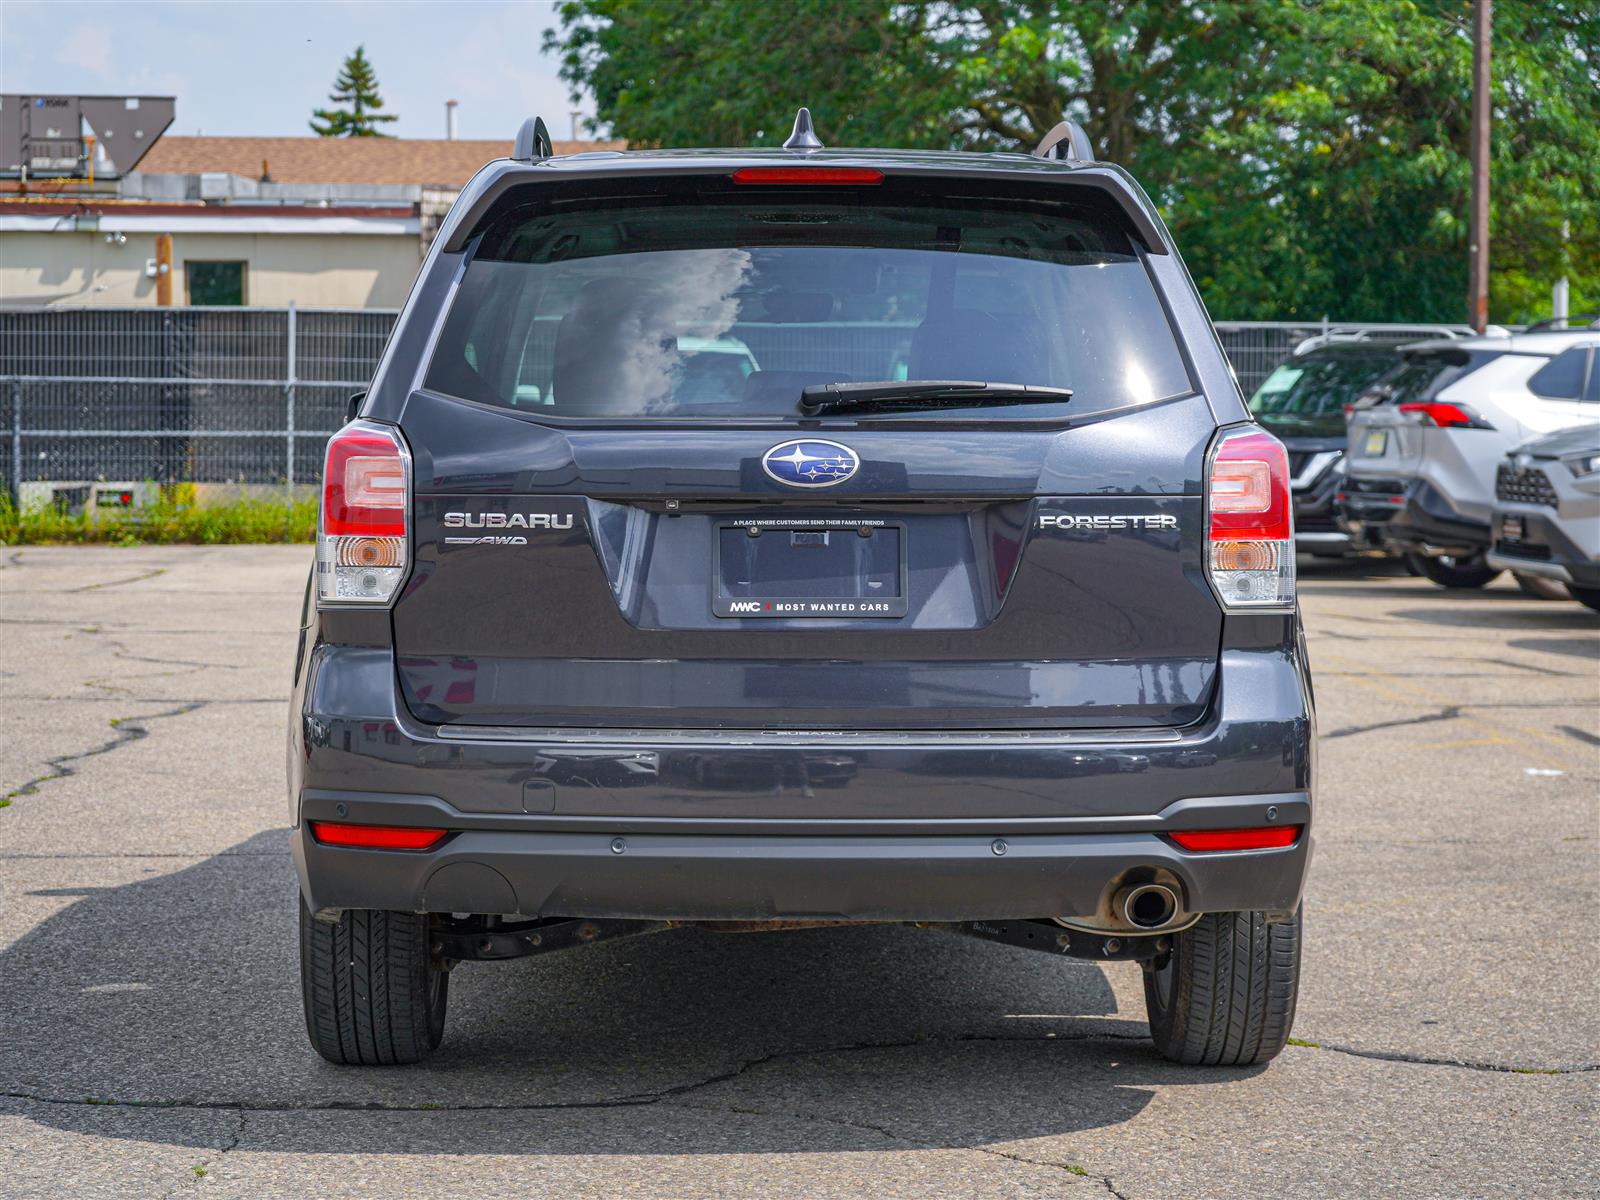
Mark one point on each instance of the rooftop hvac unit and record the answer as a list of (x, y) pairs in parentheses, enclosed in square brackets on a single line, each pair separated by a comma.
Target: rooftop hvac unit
[(96, 497)]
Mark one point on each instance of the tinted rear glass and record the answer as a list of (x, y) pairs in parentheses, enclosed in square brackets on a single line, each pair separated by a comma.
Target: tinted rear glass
[(687, 306), (1307, 394), (1562, 377), (1424, 376)]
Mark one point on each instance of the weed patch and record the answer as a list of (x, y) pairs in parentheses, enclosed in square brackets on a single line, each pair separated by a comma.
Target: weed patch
[(174, 519)]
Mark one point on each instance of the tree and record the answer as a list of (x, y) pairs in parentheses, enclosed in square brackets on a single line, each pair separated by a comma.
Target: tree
[(357, 87), (1310, 158)]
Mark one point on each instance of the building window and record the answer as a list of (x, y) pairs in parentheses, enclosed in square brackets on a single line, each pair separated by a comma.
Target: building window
[(215, 282)]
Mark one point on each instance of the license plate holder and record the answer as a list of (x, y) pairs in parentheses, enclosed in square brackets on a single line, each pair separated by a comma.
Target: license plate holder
[(808, 568), (1377, 443)]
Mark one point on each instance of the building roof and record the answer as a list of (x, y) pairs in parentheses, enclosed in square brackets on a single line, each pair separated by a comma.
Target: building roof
[(337, 160)]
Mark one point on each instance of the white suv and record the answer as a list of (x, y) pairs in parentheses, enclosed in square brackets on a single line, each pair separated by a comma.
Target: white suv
[(1547, 509), (1425, 444)]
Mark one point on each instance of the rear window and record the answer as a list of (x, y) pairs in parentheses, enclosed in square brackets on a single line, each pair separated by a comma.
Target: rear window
[(1308, 393), (697, 304), (1562, 377), (1424, 376)]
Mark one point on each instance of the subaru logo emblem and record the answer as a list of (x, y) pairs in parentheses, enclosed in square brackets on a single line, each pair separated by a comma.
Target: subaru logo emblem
[(810, 464)]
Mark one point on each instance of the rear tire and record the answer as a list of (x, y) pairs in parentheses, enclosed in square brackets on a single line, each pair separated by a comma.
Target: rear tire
[(1537, 587), (372, 995), (1225, 995), (1451, 572), (1587, 596)]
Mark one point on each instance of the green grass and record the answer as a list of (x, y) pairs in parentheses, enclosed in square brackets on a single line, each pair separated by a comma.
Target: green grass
[(174, 519)]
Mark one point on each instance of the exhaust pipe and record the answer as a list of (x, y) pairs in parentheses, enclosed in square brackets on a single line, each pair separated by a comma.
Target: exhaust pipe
[(1148, 906)]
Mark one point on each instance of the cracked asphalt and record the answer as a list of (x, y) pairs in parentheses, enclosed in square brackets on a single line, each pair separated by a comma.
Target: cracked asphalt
[(1447, 1043)]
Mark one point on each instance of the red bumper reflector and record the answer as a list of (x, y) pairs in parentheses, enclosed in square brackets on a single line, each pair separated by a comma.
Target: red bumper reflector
[(804, 175), (375, 837), (1268, 837)]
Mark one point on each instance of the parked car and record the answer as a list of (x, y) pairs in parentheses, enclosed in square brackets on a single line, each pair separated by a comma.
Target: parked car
[(1303, 404), (1029, 613), (1424, 446), (1547, 510)]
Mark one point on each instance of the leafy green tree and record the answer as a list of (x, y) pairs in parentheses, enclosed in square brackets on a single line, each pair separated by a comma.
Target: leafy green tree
[(357, 88), (1311, 158)]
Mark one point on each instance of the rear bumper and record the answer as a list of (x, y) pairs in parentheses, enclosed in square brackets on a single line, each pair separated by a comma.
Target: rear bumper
[(752, 825), (1429, 521), (1316, 526), (928, 872), (1322, 541), (1363, 508)]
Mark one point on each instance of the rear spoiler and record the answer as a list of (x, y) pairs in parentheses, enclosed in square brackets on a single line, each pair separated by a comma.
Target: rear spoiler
[(492, 183)]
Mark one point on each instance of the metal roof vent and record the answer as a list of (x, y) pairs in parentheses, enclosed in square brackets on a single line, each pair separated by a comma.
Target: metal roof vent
[(804, 139)]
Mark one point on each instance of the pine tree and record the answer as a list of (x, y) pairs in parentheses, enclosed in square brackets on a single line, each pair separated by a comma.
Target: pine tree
[(356, 87)]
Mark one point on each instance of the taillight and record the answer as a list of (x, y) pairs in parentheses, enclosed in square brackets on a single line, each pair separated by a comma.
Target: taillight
[(361, 536), (375, 837), (1250, 550), (1445, 415), (1265, 837), (808, 175)]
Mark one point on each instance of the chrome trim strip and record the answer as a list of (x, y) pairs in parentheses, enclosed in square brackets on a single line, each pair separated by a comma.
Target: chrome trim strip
[(788, 738), (1315, 466)]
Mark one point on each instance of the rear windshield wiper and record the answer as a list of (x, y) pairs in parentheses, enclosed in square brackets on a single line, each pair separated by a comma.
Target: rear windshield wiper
[(924, 393)]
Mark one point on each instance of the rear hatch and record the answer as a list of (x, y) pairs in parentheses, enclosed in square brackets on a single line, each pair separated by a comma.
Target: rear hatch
[(1388, 443), (624, 517)]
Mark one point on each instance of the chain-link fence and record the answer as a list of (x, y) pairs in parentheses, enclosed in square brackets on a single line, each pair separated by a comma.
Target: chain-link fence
[(249, 395), (169, 394)]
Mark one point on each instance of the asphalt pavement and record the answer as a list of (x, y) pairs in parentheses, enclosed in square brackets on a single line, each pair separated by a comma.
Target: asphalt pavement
[(151, 1042)]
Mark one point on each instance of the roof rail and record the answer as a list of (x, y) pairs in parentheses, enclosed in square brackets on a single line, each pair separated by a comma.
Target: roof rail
[(533, 141), (1066, 141), (1573, 324), (1385, 335)]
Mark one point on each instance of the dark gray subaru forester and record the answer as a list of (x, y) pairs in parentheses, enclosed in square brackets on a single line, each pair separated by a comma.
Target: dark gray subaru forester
[(771, 539)]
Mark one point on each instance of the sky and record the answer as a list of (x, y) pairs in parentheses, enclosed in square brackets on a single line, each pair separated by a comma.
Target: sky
[(251, 67)]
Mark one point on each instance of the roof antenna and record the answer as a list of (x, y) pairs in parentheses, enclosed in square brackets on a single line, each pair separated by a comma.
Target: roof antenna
[(804, 139)]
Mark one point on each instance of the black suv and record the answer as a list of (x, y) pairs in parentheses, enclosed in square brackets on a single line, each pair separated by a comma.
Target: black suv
[(1303, 403), (762, 539)]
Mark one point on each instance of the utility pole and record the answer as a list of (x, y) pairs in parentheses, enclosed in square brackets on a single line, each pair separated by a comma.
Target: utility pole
[(1559, 295), (1478, 253), (164, 270)]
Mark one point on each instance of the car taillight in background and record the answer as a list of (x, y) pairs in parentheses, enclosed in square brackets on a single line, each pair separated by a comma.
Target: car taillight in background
[(361, 534), (1444, 415), (1250, 549)]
